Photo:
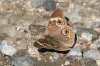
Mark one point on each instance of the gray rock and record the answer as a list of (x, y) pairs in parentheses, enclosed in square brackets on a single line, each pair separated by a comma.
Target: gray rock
[(37, 3), (22, 43), (46, 63), (23, 61), (36, 29), (49, 5), (9, 1), (87, 36), (7, 49), (83, 62), (74, 63), (96, 44), (89, 31), (88, 62), (94, 54), (95, 24), (75, 15), (75, 52)]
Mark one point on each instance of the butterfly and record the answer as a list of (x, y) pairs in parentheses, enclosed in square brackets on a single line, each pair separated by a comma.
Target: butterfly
[(58, 35)]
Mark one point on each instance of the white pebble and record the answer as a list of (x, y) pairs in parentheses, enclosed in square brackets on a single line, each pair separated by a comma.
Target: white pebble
[(7, 49), (33, 51), (67, 63), (62, 64), (55, 56), (51, 58), (98, 62)]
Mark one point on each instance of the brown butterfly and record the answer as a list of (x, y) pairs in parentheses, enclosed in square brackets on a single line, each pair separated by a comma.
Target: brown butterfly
[(59, 35)]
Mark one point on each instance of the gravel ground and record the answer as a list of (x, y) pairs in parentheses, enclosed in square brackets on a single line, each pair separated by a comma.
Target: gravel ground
[(24, 21)]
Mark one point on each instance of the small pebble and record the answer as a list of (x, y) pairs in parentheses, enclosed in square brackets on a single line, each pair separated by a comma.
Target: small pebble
[(62, 64), (51, 58), (67, 63)]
